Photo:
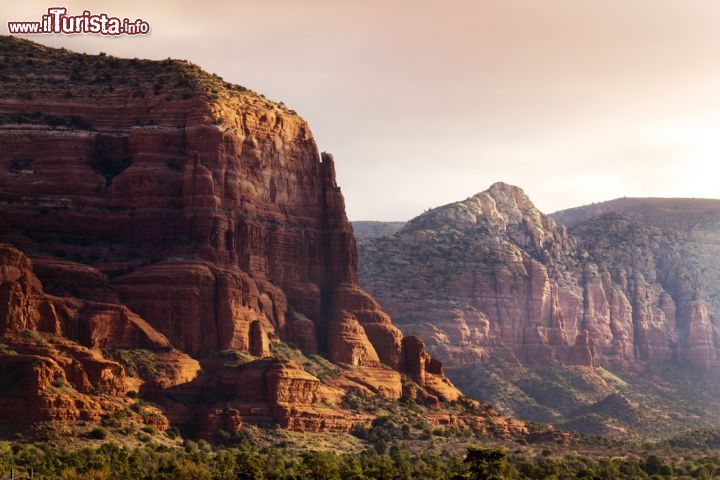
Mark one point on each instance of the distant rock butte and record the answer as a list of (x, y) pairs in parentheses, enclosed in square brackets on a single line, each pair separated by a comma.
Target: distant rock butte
[(150, 205), (493, 276)]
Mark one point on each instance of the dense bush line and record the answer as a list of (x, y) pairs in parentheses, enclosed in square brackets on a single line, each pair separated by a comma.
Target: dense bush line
[(201, 461)]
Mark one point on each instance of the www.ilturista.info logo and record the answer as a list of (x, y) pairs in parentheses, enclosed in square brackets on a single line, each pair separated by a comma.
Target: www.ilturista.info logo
[(58, 21)]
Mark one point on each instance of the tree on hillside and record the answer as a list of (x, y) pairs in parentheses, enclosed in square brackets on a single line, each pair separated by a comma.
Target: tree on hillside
[(487, 463)]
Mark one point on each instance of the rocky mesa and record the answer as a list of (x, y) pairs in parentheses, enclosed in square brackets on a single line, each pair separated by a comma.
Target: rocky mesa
[(154, 218)]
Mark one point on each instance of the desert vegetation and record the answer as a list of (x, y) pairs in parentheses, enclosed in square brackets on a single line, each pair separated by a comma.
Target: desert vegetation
[(199, 460)]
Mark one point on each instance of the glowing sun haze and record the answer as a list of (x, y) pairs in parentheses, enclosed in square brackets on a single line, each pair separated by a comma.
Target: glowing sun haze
[(427, 102)]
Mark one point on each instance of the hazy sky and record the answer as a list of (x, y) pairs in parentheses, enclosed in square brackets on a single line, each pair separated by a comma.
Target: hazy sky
[(428, 102)]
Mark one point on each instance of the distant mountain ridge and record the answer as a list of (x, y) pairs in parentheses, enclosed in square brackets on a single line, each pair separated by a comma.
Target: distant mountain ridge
[(625, 284), (679, 213)]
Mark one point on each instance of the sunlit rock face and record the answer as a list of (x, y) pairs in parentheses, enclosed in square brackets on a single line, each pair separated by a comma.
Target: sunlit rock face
[(150, 205)]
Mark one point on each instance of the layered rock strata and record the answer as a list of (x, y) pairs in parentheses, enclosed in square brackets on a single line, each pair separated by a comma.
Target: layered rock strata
[(150, 205), (493, 276)]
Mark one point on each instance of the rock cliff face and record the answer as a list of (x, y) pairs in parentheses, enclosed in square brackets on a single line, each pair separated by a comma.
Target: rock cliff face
[(491, 276), (34, 370), (666, 251), (151, 205)]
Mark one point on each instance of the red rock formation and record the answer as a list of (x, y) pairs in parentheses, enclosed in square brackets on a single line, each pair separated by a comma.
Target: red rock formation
[(486, 276), (669, 284), (415, 358), (23, 305), (36, 382), (380, 380), (384, 337), (301, 331), (667, 259), (174, 368), (200, 306), (348, 342), (259, 345), (426, 370), (262, 392), (176, 210), (492, 276), (45, 376)]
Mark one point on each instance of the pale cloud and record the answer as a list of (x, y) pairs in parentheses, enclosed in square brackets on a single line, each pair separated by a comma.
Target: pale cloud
[(427, 102)]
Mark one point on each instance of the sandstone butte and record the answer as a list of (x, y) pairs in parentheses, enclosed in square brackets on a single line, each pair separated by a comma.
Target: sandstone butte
[(629, 282), (154, 215)]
